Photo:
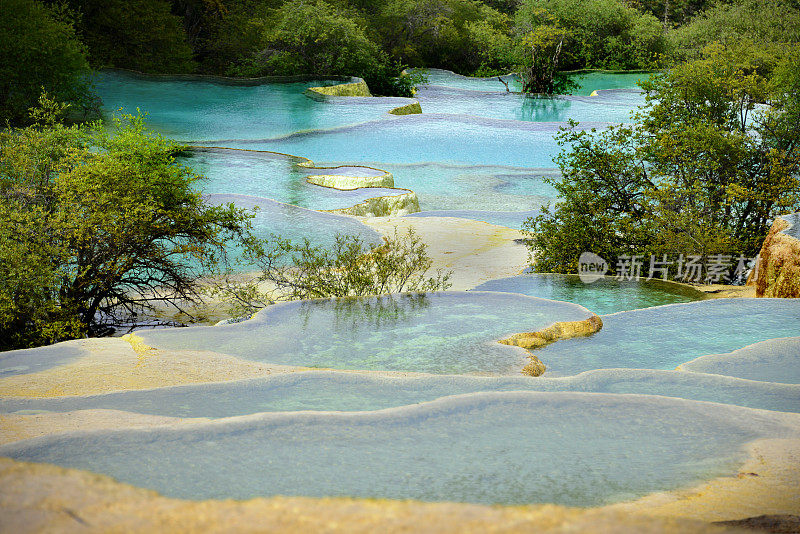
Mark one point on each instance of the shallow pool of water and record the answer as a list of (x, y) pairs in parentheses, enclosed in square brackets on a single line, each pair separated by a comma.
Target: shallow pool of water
[(276, 177), (667, 336), (775, 360), (340, 391), (204, 110), (444, 333), (604, 296)]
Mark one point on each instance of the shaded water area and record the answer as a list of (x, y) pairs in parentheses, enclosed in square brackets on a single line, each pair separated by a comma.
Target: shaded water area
[(666, 336)]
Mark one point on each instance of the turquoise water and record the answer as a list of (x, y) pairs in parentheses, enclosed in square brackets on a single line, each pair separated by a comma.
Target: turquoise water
[(425, 138), (667, 336), (443, 333), (576, 449), (340, 391), (775, 360), (466, 123), (204, 110), (604, 296), (276, 177), (492, 188), (531, 108)]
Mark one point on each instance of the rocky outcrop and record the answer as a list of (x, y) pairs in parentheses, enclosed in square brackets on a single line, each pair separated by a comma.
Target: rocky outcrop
[(408, 109), (384, 206), (565, 330), (554, 332), (777, 272), (358, 88), (535, 367), (345, 182)]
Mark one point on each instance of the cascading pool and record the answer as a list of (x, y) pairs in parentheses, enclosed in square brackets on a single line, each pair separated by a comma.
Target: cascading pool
[(609, 420)]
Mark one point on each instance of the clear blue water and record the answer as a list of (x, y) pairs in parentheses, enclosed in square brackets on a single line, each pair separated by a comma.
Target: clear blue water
[(443, 333), (604, 296), (295, 223), (667, 336), (576, 449), (492, 188), (434, 99), (205, 110), (587, 82), (425, 138)]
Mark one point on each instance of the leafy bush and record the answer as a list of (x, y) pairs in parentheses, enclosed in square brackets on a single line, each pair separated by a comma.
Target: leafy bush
[(760, 30), (350, 267), (312, 38), (40, 50)]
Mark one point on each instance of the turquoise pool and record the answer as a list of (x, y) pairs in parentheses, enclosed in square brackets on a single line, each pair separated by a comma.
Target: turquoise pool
[(442, 333)]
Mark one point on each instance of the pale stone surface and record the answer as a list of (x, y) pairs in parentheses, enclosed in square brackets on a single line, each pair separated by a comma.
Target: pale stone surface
[(345, 182), (16, 427), (475, 251)]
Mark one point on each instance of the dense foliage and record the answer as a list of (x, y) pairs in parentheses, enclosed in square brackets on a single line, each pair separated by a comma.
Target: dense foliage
[(39, 50), (703, 171), (141, 35), (97, 228)]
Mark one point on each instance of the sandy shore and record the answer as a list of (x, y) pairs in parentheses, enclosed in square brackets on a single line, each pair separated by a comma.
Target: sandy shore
[(475, 251)]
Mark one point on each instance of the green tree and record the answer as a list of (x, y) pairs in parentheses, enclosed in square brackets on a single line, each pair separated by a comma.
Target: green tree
[(98, 228), (435, 33), (538, 51), (141, 35), (759, 30), (313, 38), (40, 50), (605, 34), (704, 170)]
